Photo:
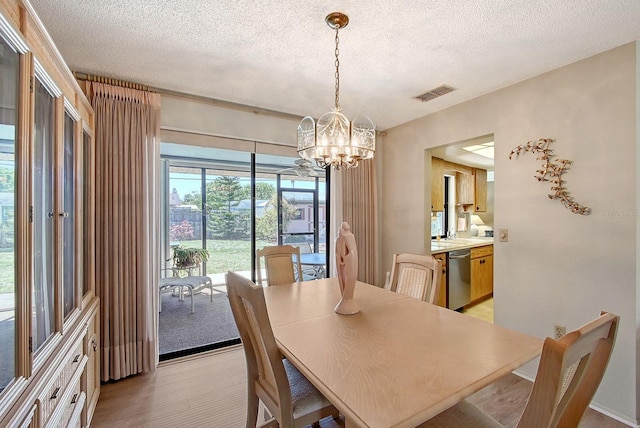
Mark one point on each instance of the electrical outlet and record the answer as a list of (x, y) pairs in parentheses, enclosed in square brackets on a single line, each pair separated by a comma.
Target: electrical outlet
[(559, 331)]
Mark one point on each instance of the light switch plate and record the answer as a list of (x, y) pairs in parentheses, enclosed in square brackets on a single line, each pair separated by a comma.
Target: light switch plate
[(503, 235)]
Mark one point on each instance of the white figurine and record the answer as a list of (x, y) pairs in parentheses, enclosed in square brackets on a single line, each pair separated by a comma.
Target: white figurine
[(347, 269)]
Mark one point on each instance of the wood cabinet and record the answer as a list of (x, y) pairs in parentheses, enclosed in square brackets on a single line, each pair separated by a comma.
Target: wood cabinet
[(49, 366), (437, 184), (465, 189), (471, 189), (481, 272), (480, 185), (442, 298)]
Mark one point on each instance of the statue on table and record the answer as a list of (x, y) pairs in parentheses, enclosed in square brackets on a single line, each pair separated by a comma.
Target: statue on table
[(347, 269)]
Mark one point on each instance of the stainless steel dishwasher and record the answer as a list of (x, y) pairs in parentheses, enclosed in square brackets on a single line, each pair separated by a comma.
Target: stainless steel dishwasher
[(459, 278)]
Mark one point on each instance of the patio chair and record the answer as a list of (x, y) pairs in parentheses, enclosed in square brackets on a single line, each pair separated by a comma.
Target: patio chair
[(173, 282)]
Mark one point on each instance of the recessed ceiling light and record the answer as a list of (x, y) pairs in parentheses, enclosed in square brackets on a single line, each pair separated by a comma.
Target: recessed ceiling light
[(484, 149)]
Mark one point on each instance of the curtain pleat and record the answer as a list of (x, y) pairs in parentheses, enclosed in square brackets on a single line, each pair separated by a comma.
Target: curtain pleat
[(127, 128), (359, 209)]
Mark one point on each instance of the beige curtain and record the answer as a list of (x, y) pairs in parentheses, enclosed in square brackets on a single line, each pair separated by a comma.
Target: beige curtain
[(359, 209), (127, 126)]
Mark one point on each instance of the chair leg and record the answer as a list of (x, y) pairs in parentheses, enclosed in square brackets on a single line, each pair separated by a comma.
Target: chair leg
[(252, 410), (192, 306), (211, 288)]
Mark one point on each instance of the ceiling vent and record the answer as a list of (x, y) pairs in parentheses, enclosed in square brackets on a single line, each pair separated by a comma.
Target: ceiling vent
[(435, 93)]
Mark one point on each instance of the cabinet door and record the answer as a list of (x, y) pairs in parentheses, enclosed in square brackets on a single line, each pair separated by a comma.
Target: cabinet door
[(10, 175), (442, 297), (481, 277), (91, 378), (43, 180), (69, 249), (437, 184), (481, 190), (465, 189)]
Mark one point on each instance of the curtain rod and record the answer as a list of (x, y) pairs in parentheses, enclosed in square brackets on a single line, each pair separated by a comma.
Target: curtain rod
[(227, 104), (110, 81)]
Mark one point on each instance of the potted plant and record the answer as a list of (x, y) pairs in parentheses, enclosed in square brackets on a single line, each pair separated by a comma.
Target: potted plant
[(186, 257)]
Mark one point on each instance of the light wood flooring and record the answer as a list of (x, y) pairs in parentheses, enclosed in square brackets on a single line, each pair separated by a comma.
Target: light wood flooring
[(209, 390)]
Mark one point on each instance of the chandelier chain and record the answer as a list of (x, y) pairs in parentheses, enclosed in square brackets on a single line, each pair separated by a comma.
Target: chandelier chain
[(337, 72)]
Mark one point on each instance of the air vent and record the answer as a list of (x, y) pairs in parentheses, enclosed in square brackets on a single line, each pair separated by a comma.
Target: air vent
[(435, 93)]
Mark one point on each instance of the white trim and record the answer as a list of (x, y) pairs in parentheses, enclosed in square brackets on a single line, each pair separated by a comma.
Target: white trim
[(69, 108), (12, 37), (47, 82)]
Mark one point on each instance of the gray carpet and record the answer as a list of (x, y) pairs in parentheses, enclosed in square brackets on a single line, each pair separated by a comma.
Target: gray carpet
[(179, 329)]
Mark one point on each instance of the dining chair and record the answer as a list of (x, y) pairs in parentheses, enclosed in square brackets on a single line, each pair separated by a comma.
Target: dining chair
[(280, 266), (569, 373), (290, 398), (415, 275)]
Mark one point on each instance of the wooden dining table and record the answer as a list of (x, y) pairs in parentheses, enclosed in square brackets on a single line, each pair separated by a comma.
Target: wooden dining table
[(396, 363)]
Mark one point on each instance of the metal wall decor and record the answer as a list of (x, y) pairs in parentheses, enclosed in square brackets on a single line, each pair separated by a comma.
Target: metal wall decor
[(552, 171)]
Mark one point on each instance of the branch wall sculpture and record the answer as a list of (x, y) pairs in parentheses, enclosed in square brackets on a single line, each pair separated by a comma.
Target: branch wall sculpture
[(551, 171)]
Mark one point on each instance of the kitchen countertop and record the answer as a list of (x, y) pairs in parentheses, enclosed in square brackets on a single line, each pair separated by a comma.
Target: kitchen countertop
[(446, 245)]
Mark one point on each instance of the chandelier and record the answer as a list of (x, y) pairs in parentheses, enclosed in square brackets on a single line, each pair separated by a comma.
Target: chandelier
[(333, 140)]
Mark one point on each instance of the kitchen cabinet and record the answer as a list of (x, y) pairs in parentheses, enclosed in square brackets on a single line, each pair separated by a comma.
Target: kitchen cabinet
[(437, 184), (480, 184), (481, 272), (471, 189), (465, 189), (442, 298)]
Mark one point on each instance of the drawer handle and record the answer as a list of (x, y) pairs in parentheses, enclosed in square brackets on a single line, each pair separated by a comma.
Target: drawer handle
[(74, 400), (77, 358), (55, 393), (94, 343)]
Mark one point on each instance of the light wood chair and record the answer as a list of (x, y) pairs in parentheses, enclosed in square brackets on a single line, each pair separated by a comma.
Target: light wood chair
[(415, 275), (279, 264), (569, 373), (286, 393)]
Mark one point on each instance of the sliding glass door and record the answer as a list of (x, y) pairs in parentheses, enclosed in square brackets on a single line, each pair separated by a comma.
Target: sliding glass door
[(231, 203)]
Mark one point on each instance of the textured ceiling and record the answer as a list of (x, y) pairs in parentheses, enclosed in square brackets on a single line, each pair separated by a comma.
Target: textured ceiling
[(278, 54)]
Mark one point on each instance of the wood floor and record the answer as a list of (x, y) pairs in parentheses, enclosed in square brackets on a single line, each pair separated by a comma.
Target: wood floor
[(209, 390)]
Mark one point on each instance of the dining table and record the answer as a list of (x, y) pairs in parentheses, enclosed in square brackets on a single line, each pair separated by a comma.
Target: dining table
[(396, 363)]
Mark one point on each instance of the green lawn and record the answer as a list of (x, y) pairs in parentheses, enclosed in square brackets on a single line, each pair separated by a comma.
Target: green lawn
[(226, 255), (223, 256)]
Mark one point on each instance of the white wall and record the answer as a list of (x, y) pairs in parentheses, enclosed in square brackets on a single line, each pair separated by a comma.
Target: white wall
[(558, 267)]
